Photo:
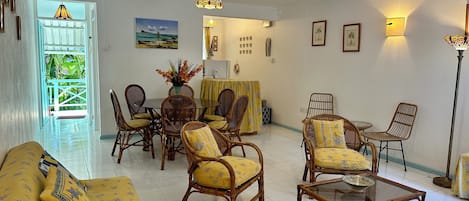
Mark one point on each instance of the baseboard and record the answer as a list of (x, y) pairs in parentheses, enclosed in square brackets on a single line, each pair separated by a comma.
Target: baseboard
[(383, 156)]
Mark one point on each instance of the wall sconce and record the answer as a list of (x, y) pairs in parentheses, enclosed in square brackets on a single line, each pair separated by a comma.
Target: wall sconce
[(395, 26)]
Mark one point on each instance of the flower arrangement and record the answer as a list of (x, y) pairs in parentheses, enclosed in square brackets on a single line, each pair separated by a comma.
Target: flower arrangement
[(180, 74)]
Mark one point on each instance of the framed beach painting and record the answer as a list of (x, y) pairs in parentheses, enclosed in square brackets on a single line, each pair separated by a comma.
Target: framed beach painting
[(351, 38), (155, 33), (319, 33)]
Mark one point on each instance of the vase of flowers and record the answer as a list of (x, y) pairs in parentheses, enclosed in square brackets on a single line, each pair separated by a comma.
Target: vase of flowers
[(179, 74)]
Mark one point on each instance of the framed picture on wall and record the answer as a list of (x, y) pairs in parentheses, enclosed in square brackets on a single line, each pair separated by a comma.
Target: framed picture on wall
[(351, 38), (319, 33), (155, 33)]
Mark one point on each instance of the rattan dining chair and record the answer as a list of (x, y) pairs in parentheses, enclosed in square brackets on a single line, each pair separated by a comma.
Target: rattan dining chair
[(339, 159), (176, 110), (232, 125), (129, 130), (213, 170), (135, 98), (185, 90), (225, 99), (320, 103), (399, 130)]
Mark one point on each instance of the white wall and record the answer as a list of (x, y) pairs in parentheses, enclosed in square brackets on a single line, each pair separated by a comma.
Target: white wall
[(419, 68), (18, 88), (122, 64)]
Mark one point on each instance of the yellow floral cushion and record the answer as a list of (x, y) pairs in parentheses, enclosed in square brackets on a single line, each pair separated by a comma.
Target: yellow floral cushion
[(329, 134), (47, 161), (203, 142), (138, 123), (212, 117), (219, 125), (60, 187), (111, 189), (216, 175), (339, 158)]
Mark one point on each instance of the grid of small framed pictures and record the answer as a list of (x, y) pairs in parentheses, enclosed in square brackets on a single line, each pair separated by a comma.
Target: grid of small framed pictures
[(12, 5), (245, 45)]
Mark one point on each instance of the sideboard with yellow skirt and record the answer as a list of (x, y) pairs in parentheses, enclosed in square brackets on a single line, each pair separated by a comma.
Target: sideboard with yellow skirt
[(253, 117)]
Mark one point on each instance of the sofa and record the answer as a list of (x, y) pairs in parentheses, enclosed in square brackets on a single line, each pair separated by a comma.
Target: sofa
[(29, 173)]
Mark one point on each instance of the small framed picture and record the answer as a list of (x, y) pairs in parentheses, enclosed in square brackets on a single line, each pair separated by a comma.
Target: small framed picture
[(351, 38), (2, 16), (319, 33)]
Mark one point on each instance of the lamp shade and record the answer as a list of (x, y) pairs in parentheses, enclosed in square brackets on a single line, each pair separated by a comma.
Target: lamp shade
[(209, 4), (62, 13), (457, 41), (395, 26)]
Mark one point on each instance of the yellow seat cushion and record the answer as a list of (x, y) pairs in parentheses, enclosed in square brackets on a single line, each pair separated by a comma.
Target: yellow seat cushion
[(110, 189), (329, 134), (212, 117), (60, 187), (340, 158), (203, 142), (219, 125), (138, 123), (146, 115), (216, 175), (47, 161)]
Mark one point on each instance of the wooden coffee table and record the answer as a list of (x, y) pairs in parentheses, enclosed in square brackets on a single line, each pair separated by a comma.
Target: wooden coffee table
[(336, 189)]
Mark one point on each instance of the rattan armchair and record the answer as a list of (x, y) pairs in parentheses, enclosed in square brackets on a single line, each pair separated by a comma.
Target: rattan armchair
[(185, 90), (135, 97), (320, 103), (231, 187), (399, 130), (352, 142), (129, 130), (226, 99)]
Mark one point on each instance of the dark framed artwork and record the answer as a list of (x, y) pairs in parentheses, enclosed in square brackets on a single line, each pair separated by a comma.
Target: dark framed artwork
[(2, 16), (319, 33), (351, 38), (13, 6), (18, 27)]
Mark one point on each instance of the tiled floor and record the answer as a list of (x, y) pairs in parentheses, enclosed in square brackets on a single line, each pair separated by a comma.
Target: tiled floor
[(85, 155)]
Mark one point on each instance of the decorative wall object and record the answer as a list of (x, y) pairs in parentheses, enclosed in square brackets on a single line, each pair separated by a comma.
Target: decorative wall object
[(18, 27), (215, 43), (2, 17), (319, 33), (155, 33), (351, 38), (395, 26), (13, 6), (245, 45), (268, 46)]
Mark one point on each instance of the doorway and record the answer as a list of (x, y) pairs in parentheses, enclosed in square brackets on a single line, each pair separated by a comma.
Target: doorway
[(67, 62)]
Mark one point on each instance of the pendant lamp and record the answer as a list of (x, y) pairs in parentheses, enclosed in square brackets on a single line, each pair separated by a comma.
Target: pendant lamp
[(209, 4), (62, 13)]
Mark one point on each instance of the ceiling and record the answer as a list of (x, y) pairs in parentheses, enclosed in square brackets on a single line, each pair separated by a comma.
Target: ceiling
[(268, 3)]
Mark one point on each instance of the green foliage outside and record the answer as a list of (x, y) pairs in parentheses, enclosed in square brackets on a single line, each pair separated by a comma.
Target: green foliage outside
[(63, 67)]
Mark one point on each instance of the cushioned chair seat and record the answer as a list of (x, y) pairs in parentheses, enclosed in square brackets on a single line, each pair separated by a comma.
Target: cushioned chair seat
[(212, 117), (216, 175), (339, 158), (219, 125), (146, 115), (137, 123), (116, 188)]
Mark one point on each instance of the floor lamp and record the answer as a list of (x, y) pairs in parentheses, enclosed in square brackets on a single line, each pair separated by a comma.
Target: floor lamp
[(460, 43)]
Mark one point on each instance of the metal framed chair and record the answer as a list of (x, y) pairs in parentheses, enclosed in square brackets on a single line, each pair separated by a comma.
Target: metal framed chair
[(135, 98), (320, 160), (176, 110), (399, 130), (226, 99), (126, 130), (231, 126), (185, 90), (217, 172), (320, 103)]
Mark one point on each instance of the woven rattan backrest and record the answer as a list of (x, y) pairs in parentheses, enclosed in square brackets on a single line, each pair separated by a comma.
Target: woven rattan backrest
[(185, 90), (120, 121), (352, 135), (135, 97), (320, 103), (177, 110), (226, 99), (403, 120), (222, 141), (236, 114)]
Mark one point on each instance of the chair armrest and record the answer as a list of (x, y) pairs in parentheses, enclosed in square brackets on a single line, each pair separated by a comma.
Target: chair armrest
[(374, 156), (252, 145)]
